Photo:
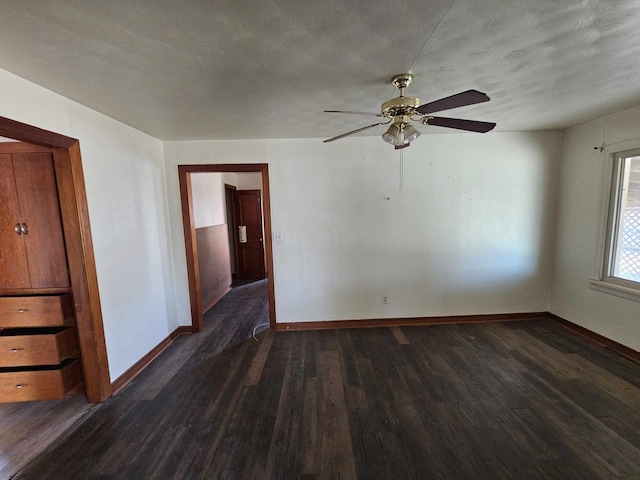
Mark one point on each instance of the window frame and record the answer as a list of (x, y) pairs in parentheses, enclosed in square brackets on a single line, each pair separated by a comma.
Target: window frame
[(604, 279)]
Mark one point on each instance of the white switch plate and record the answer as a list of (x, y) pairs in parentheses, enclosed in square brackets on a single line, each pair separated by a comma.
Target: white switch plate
[(278, 237)]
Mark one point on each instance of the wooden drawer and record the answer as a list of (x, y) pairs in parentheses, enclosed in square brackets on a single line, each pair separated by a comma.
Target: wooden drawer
[(22, 347), (36, 311), (42, 383)]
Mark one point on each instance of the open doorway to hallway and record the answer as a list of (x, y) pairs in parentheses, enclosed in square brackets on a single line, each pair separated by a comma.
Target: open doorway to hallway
[(227, 226)]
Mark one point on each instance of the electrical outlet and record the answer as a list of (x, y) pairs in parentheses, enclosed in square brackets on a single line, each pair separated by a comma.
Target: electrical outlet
[(385, 300)]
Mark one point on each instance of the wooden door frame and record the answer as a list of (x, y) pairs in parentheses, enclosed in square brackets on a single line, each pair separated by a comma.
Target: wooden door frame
[(233, 191), (188, 223), (79, 248)]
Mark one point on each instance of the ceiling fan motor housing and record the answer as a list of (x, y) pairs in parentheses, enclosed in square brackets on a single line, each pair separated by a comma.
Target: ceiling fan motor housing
[(400, 106)]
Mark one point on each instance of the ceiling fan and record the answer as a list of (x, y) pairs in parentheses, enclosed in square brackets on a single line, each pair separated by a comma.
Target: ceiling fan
[(402, 111)]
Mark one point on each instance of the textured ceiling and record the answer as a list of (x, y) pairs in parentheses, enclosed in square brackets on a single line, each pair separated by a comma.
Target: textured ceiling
[(268, 68)]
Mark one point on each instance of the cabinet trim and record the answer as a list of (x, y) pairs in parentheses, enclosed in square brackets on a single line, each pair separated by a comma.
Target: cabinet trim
[(33, 291), (79, 248)]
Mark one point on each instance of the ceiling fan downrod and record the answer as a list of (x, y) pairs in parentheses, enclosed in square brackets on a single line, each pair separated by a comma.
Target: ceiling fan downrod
[(402, 81)]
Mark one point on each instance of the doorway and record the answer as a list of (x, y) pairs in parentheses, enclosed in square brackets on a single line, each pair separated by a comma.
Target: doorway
[(251, 257)]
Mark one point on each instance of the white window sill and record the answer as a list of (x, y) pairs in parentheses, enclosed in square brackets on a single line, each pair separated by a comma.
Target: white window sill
[(615, 289)]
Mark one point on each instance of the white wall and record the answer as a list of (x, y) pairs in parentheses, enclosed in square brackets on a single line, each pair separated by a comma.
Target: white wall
[(209, 198), (583, 173), (249, 181), (127, 199), (207, 192), (470, 233)]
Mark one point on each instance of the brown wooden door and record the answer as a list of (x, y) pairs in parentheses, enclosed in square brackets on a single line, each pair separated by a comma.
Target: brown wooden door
[(40, 213), (14, 270), (33, 252), (251, 252)]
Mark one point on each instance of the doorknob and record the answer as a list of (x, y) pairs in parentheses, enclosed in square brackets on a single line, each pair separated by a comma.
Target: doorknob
[(24, 229), (18, 229)]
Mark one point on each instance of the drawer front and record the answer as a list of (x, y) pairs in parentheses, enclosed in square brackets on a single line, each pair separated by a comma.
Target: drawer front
[(34, 311), (37, 349), (39, 384)]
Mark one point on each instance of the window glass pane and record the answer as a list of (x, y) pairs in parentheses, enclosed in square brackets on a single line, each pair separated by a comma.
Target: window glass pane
[(627, 251)]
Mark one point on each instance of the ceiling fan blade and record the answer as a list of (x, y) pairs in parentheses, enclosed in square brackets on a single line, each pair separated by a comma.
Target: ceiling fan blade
[(462, 99), (354, 131), (354, 113), (460, 124)]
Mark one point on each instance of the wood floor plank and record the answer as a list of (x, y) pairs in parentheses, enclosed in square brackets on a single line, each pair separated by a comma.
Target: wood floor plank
[(334, 443), (30, 427), (573, 342), (625, 392), (400, 336), (309, 454), (598, 447), (253, 377), (283, 458), (165, 368)]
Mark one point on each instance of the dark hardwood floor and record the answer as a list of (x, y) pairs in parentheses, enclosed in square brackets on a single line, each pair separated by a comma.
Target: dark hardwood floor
[(28, 428), (519, 400)]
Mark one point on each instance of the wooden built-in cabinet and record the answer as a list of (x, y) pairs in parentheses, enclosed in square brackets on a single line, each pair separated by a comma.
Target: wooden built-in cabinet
[(31, 236), (39, 354)]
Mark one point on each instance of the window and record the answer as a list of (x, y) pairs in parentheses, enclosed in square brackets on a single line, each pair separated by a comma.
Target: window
[(622, 254)]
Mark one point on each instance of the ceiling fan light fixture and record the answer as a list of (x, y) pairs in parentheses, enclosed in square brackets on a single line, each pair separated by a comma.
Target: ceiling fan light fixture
[(410, 133), (393, 135), (400, 133)]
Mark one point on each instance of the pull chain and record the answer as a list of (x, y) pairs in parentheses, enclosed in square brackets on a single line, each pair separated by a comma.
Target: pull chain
[(401, 169)]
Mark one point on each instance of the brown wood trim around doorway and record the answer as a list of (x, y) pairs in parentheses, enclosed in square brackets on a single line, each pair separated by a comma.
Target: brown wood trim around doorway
[(232, 228), (188, 223), (79, 249)]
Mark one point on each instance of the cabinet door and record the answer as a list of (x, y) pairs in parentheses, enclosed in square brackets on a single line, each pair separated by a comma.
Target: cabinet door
[(40, 213), (14, 271)]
